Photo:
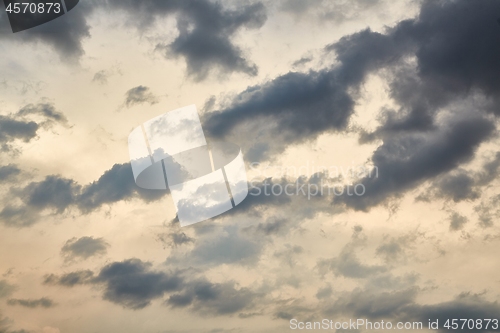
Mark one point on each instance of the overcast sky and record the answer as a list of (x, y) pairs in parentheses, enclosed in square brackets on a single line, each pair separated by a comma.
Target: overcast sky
[(408, 88)]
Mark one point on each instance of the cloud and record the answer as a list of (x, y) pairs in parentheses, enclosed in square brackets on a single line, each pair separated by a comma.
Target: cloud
[(337, 11), (84, 248), (402, 306), (70, 279), (23, 126), (6, 289), (405, 161), (347, 263), (301, 62), (9, 172), (53, 192), (101, 77), (465, 305), (205, 31), (457, 221), (362, 303), (213, 299), (175, 237), (452, 62), (4, 324), (291, 109), (139, 95), (297, 107), (439, 75), (47, 111), (12, 129), (394, 299), (58, 194), (134, 284), (228, 247), (32, 303), (397, 249), (64, 34), (462, 184)]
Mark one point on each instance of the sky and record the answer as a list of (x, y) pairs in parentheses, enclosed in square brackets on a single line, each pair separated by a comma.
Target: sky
[(398, 100)]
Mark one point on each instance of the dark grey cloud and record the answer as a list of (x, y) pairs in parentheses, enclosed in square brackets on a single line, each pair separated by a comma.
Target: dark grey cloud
[(208, 298), (205, 29), (12, 129), (58, 194), (465, 305), (347, 264), (32, 303), (324, 10), (301, 62), (394, 298), (230, 247), (9, 172), (207, 44), (24, 124), (487, 211), (175, 237), (48, 112), (70, 279), (402, 306), (6, 289), (397, 249), (84, 248), (134, 284), (443, 69), (457, 221), (406, 160), (297, 107), (453, 62), (289, 254), (458, 185), (114, 185), (139, 95), (64, 34), (363, 303)]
